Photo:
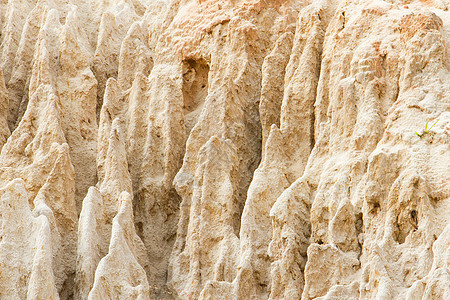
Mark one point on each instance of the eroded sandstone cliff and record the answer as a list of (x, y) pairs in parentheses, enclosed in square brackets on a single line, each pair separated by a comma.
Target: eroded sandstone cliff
[(238, 149)]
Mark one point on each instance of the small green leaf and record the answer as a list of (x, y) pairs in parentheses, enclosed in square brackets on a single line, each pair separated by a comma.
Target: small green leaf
[(433, 125), (426, 130)]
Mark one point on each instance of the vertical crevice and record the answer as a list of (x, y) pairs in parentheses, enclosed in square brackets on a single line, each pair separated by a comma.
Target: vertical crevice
[(195, 90)]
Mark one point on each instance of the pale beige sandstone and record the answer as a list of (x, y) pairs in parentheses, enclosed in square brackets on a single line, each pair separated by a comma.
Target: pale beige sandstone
[(20, 75), (286, 149), (212, 241), (77, 87), (253, 278), (134, 154), (291, 233), (379, 194), (39, 143), (19, 82), (143, 115), (114, 177), (26, 248), (239, 149), (272, 84), (156, 140), (91, 244), (135, 56), (14, 15), (101, 204), (113, 27), (120, 273), (234, 101), (52, 65)]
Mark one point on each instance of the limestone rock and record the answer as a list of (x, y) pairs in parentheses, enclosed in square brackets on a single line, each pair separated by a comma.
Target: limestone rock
[(91, 244), (25, 248), (238, 149), (214, 221), (120, 273), (113, 27), (291, 233)]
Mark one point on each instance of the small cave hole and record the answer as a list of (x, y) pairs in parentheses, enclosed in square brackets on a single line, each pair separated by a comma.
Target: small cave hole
[(359, 223), (195, 83), (414, 219), (375, 208), (139, 229), (407, 222)]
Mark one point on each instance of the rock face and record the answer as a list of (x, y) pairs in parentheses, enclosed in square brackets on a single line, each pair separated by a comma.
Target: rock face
[(238, 149)]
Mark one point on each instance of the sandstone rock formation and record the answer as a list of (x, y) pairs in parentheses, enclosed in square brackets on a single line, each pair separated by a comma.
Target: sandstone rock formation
[(238, 149)]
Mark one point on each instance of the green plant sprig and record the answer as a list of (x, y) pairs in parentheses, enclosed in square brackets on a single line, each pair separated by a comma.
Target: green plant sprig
[(426, 130)]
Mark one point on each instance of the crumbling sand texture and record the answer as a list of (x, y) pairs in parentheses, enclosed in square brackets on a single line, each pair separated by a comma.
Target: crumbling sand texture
[(234, 149)]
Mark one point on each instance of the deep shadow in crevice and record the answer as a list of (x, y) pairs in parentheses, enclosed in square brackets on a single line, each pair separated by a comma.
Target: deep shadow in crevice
[(195, 90)]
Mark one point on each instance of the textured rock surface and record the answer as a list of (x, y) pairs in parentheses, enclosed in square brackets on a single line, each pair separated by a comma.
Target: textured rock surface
[(239, 149)]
